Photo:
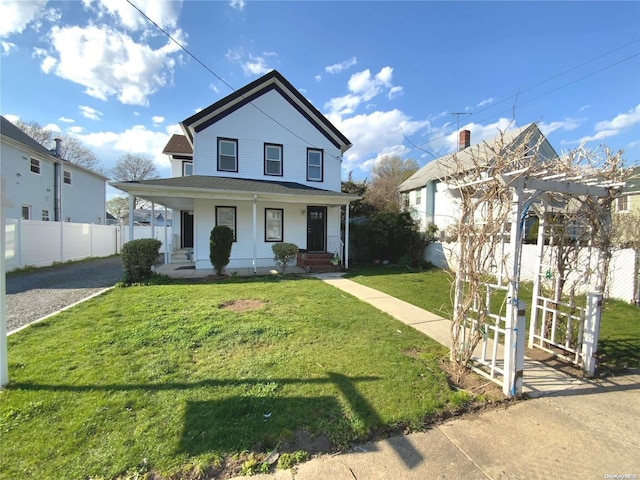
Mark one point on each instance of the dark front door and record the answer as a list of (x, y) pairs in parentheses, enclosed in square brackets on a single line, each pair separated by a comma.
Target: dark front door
[(316, 228), (187, 229)]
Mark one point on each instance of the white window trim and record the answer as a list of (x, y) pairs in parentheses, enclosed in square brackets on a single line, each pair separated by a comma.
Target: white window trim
[(28, 207)]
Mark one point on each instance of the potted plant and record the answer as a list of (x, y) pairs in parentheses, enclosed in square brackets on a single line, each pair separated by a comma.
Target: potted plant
[(335, 260)]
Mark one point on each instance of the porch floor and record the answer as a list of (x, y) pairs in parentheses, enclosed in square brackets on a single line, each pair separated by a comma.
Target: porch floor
[(187, 270)]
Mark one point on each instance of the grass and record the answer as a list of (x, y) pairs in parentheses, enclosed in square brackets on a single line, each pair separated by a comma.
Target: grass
[(162, 379), (619, 343)]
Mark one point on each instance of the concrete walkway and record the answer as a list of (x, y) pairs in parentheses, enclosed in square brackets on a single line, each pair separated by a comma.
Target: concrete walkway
[(573, 429)]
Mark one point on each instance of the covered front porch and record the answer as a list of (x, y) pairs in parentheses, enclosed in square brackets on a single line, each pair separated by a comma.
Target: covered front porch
[(259, 212)]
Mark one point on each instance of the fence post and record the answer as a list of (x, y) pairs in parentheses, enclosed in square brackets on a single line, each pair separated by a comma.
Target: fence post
[(591, 333), (19, 243)]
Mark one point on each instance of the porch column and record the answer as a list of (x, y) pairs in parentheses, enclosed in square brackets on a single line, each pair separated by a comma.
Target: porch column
[(166, 243), (255, 233), (130, 217), (346, 236)]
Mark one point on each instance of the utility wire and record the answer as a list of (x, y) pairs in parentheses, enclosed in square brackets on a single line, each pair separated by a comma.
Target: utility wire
[(183, 48), (542, 83)]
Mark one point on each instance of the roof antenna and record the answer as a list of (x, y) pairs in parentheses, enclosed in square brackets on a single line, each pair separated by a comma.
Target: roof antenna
[(457, 114)]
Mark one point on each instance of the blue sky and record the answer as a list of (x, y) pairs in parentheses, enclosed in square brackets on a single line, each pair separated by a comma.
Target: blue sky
[(388, 74)]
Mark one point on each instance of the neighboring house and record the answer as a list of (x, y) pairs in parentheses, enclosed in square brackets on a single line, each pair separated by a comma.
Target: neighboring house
[(629, 200), (42, 186), (142, 216), (262, 161), (426, 195)]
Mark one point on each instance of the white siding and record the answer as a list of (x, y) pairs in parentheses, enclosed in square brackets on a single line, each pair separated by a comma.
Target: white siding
[(252, 129), (82, 201), (295, 230)]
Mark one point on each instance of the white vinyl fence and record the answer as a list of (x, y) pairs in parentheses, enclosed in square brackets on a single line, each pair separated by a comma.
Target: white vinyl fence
[(620, 283), (40, 244)]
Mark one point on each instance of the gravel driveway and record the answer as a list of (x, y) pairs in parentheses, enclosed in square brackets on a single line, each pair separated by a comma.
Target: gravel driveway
[(35, 294)]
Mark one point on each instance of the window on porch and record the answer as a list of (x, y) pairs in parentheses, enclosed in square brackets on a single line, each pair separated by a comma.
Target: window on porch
[(227, 216), (273, 224)]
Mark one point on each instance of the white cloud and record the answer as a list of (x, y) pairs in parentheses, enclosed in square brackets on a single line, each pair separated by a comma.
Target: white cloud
[(238, 4), (376, 134), (567, 125), (164, 14), (77, 129), (214, 88), (137, 114), (110, 63), (90, 113), (136, 140), (251, 64), (485, 102), (12, 118), (394, 92), (611, 128), (318, 78), (7, 47), (157, 120), (338, 67), (584, 107), (52, 127), (362, 87), (15, 15), (66, 120)]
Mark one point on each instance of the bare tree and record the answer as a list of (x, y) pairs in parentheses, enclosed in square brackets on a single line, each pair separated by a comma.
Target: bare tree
[(386, 177), (131, 167), (71, 149), (118, 207)]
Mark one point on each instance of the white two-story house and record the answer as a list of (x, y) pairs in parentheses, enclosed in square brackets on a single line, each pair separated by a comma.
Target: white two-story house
[(40, 185), (262, 161)]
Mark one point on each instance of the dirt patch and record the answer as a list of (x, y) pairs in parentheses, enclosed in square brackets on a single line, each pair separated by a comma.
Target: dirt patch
[(242, 305), (550, 360), (473, 383), (303, 440)]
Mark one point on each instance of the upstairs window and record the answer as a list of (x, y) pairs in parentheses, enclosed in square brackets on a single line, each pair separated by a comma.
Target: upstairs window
[(187, 169), (35, 166), (45, 215), (227, 155), (272, 159), (67, 177), (314, 165), (26, 212)]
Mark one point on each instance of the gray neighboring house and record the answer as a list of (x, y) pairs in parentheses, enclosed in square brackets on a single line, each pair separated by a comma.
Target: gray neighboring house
[(43, 186)]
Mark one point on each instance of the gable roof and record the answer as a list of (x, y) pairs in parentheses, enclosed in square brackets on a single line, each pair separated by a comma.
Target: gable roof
[(178, 145), (633, 182), (271, 81), (442, 167), (9, 130)]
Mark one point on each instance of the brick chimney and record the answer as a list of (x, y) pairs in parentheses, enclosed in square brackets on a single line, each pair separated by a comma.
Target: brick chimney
[(57, 150), (465, 139)]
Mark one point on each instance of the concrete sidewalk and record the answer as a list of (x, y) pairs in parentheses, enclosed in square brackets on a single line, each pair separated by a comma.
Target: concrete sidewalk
[(573, 429)]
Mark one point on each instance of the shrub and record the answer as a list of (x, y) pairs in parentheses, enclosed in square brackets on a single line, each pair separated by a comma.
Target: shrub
[(220, 243), (284, 254), (138, 256)]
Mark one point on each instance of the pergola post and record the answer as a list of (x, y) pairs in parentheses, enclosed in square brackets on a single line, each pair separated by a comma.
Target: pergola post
[(255, 234), (536, 279), (131, 213), (346, 237), (512, 385)]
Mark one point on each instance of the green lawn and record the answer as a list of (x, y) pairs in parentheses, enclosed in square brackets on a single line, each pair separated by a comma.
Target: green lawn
[(161, 378), (619, 345)]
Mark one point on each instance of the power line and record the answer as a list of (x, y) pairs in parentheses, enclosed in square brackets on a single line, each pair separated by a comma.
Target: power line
[(541, 83), (222, 79)]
